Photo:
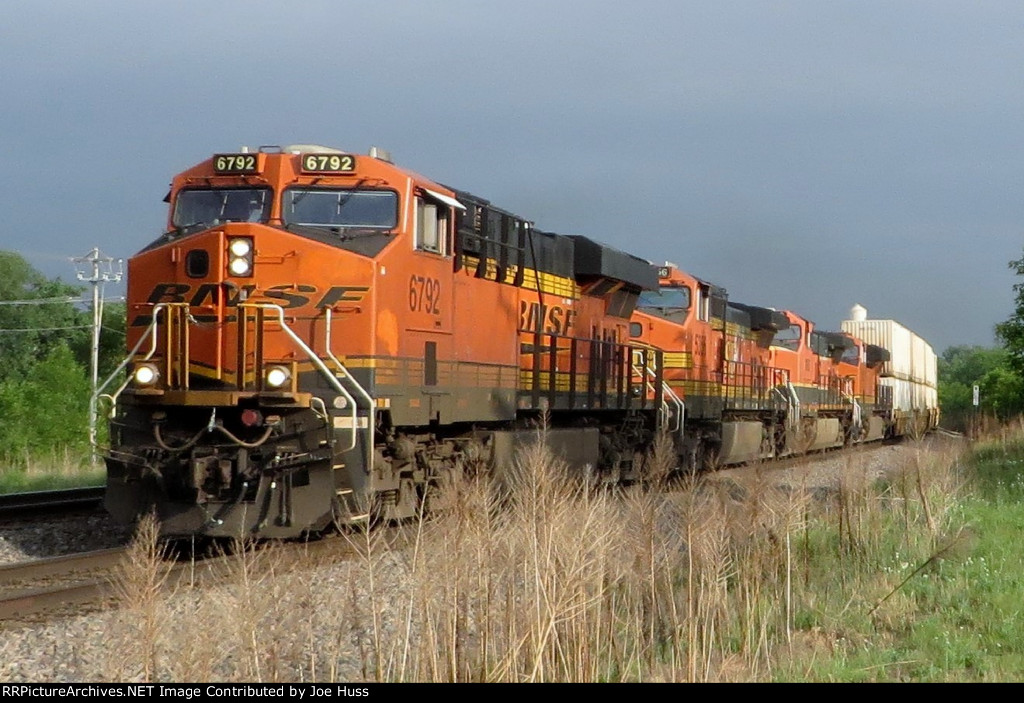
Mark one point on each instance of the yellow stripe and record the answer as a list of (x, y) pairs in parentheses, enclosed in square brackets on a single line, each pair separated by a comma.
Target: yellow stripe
[(360, 363), (205, 372), (562, 381), (734, 329), (392, 371), (548, 282), (677, 360)]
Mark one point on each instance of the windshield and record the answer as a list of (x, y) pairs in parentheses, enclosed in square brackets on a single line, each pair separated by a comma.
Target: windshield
[(216, 205), (344, 207), (788, 338), (665, 298), (851, 355)]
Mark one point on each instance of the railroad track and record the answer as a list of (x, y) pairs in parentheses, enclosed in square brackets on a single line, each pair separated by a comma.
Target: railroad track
[(37, 590), (28, 588), (16, 505)]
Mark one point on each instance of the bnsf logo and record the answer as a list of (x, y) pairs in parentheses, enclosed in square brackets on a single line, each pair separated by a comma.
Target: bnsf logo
[(534, 317), (287, 296)]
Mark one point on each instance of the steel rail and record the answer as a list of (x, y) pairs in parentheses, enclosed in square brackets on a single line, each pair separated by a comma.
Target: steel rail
[(51, 501), (63, 565)]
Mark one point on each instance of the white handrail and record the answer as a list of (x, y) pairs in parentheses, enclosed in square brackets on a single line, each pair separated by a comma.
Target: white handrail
[(667, 392), (858, 416), (150, 332), (317, 361), (794, 403), (362, 391)]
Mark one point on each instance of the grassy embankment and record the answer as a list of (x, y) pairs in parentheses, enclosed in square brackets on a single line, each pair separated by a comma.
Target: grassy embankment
[(957, 616), (61, 469), (915, 577)]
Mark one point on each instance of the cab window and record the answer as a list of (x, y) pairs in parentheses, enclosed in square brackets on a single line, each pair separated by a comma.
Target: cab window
[(665, 299), (851, 355), (703, 303), (197, 208), (788, 338), (431, 227), (341, 208)]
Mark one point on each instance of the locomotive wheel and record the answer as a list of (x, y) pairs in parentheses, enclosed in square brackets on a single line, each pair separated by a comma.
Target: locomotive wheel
[(438, 493), (406, 502)]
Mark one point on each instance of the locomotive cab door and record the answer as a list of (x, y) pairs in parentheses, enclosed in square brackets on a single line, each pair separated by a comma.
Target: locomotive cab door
[(430, 310)]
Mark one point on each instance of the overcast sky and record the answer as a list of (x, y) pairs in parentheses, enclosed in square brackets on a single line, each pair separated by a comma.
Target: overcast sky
[(804, 155)]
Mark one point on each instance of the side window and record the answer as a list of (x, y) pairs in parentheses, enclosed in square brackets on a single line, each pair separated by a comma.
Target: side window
[(684, 297), (788, 338), (431, 227), (851, 355), (703, 303)]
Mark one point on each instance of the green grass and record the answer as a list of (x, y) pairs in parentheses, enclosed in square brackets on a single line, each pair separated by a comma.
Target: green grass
[(957, 617), (61, 469)]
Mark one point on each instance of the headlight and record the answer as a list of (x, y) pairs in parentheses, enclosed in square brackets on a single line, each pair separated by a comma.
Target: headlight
[(240, 256), (240, 267), (277, 376), (240, 247), (146, 374)]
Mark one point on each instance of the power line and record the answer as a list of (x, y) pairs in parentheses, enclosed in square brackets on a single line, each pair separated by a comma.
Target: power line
[(44, 329), (44, 301), (47, 301)]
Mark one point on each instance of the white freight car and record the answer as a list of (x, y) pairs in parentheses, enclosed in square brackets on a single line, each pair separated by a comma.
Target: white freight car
[(910, 371)]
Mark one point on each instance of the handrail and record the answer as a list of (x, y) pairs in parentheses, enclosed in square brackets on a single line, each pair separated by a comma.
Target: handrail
[(680, 405), (857, 413), (362, 391), (667, 392), (150, 332), (151, 335), (317, 361), (794, 403)]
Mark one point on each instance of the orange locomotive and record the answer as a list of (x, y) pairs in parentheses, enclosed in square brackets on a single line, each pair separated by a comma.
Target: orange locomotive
[(321, 336), (833, 386), (749, 383)]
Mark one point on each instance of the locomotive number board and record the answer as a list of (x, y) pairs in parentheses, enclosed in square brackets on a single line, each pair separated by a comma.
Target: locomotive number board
[(236, 163), (328, 163)]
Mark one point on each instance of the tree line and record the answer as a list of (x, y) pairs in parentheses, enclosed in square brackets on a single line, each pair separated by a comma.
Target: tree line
[(45, 359), (997, 371)]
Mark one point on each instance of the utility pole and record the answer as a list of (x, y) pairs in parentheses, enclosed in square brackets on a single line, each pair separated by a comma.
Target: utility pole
[(96, 270)]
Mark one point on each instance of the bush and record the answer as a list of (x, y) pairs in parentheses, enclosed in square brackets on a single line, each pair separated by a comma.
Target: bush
[(48, 408)]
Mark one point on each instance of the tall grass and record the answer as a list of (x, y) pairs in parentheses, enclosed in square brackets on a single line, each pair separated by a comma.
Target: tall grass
[(553, 579), (60, 468)]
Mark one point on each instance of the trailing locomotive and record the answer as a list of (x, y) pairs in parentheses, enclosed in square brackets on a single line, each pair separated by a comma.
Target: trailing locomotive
[(320, 338), (754, 383)]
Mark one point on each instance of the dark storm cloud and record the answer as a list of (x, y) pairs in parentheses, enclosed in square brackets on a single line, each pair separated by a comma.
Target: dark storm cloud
[(802, 154)]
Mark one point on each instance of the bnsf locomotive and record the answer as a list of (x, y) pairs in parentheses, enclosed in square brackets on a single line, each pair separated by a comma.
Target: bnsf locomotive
[(321, 338)]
